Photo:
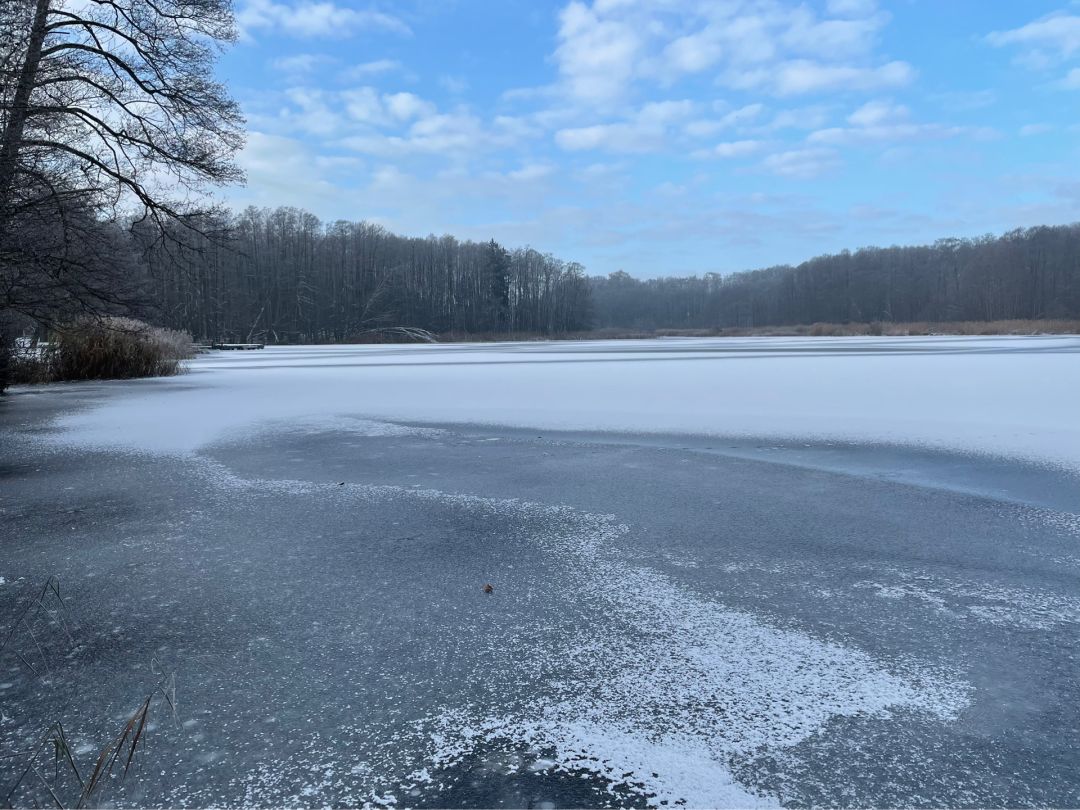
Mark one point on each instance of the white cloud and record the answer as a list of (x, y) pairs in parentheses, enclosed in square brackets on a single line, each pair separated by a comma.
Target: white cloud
[(596, 55), (400, 124), (451, 135), (807, 118), (301, 63), (363, 104), (876, 113), (832, 39), (517, 128), (848, 136), (406, 106), (851, 8), (804, 76), (621, 75), (1044, 43), (613, 53), (743, 39), (661, 113), (742, 115), (531, 171), (1035, 129), (736, 149), (694, 52), (748, 38), (645, 131), (609, 47), (366, 105), (882, 121), (454, 84), (313, 111), (373, 68), (283, 171), (801, 164), (1072, 80), (703, 128), (617, 137), (1059, 33), (735, 119), (314, 19)]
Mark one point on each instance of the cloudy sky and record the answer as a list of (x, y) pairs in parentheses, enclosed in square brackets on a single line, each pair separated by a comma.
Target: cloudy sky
[(665, 136)]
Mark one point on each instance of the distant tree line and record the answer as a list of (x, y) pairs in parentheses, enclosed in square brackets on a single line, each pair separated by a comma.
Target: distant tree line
[(1023, 274), (283, 276)]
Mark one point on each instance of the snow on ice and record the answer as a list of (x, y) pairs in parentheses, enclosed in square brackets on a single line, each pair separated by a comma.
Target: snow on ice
[(1016, 396)]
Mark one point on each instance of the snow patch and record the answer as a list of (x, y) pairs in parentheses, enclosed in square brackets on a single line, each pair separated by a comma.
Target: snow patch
[(1015, 396), (671, 686), (994, 604)]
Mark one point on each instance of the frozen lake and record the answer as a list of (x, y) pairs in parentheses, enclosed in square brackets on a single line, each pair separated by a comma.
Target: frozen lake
[(732, 572), (1016, 395)]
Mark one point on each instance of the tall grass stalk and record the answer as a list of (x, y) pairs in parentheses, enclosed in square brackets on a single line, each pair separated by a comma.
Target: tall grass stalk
[(107, 349)]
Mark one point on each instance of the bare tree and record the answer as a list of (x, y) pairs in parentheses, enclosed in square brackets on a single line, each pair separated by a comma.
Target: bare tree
[(109, 113), (1022, 274), (282, 276)]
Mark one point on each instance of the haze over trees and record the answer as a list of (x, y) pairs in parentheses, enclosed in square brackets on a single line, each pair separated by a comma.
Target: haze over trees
[(1029, 273)]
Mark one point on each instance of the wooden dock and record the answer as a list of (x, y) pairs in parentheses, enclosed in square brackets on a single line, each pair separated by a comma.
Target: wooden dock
[(238, 347)]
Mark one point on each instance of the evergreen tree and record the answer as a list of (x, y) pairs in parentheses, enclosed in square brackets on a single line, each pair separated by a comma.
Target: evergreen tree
[(497, 272)]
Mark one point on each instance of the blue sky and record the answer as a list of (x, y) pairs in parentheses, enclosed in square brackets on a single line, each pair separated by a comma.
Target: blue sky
[(665, 136)]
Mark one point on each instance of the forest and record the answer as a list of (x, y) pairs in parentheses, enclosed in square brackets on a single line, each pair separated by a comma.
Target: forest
[(283, 276), (1025, 274)]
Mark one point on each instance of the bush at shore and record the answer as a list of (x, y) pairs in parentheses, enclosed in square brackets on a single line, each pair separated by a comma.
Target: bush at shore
[(7, 352), (102, 349)]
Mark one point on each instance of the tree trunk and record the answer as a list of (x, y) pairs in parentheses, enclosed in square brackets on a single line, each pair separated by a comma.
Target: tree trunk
[(13, 132)]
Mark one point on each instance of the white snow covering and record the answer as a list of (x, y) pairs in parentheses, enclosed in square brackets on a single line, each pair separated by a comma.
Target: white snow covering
[(670, 687), (999, 605), (686, 683), (1017, 396)]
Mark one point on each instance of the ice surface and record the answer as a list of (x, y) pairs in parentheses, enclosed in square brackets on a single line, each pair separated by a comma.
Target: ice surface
[(687, 682), (665, 691), (674, 685), (1018, 396)]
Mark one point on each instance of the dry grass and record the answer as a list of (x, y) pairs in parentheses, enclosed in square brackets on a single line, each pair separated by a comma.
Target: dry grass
[(1015, 327), (492, 337), (46, 771), (38, 625), (105, 349), (393, 334), (49, 765)]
